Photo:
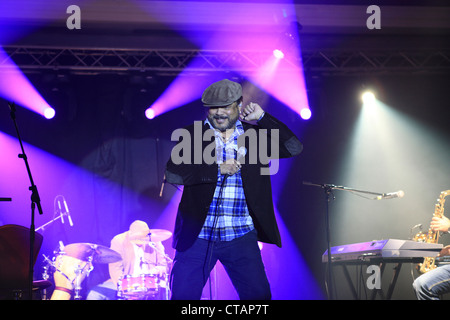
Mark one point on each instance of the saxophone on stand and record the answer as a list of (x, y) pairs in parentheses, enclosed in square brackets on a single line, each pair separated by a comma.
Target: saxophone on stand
[(428, 263)]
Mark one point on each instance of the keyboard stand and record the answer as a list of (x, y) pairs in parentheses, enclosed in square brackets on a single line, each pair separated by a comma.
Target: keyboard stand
[(381, 262)]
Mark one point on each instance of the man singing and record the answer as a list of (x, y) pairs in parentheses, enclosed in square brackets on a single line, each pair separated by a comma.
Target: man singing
[(226, 206)]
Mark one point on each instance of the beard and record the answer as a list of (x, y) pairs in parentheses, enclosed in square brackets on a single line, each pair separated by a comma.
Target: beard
[(223, 123)]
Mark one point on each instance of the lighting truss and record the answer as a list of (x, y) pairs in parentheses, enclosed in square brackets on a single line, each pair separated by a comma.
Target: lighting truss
[(171, 62)]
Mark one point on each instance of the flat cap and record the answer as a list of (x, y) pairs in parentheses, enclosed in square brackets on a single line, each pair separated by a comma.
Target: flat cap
[(221, 93)]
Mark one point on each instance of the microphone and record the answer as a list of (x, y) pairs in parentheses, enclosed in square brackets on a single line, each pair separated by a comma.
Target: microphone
[(240, 154), (12, 108), (60, 211), (391, 195), (68, 213)]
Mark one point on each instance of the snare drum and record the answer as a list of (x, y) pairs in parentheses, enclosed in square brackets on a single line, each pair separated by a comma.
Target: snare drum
[(133, 287), (69, 273)]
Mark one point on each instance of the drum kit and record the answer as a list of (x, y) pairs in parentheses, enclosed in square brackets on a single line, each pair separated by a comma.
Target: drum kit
[(74, 262)]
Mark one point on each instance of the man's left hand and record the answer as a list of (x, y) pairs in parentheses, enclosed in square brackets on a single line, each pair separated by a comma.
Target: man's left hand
[(440, 224), (252, 111)]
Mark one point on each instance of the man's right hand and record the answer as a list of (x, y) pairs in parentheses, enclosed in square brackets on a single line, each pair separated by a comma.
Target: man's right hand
[(230, 167)]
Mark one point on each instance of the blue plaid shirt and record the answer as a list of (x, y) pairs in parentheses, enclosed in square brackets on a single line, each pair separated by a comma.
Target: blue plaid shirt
[(228, 217)]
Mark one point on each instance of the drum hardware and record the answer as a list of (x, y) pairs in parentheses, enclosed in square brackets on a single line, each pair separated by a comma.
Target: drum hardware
[(166, 286), (60, 216), (150, 284), (78, 278), (151, 244), (59, 211), (137, 287), (73, 263), (166, 275), (68, 275), (45, 275)]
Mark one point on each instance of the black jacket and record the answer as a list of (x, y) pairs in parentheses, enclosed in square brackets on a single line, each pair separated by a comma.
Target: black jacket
[(200, 180)]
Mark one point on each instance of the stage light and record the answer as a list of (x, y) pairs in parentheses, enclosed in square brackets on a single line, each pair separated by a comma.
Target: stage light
[(305, 113), (183, 90), (368, 98), (278, 54), (150, 113), (15, 87), (49, 113), (281, 78)]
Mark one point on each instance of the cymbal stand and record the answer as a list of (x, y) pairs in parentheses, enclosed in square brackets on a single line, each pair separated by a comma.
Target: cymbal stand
[(329, 196), (77, 289), (78, 273), (35, 201), (169, 261), (152, 244), (45, 275)]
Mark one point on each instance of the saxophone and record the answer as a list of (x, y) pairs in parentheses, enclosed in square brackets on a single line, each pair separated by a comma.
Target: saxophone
[(428, 263)]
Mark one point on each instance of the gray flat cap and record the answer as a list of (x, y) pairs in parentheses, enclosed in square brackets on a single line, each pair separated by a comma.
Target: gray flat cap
[(221, 93)]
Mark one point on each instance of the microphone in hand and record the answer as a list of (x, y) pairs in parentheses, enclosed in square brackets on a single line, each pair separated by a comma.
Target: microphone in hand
[(231, 166)]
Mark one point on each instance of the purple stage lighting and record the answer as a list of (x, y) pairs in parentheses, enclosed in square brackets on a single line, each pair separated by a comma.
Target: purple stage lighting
[(15, 87), (244, 36), (150, 113), (183, 90), (277, 53)]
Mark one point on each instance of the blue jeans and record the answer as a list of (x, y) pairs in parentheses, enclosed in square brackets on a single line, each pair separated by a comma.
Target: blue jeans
[(241, 259), (430, 285)]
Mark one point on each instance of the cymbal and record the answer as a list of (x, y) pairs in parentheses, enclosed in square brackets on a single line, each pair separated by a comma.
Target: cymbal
[(158, 235), (99, 253)]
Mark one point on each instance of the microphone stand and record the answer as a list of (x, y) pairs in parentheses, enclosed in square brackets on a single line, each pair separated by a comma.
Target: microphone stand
[(51, 221), (35, 201), (329, 196)]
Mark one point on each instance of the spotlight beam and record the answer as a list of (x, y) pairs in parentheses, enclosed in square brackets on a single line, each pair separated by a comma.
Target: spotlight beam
[(14, 86), (282, 79)]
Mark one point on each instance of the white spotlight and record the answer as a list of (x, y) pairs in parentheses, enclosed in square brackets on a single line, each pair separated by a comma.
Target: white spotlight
[(49, 113), (368, 97), (150, 113), (305, 113), (278, 54)]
